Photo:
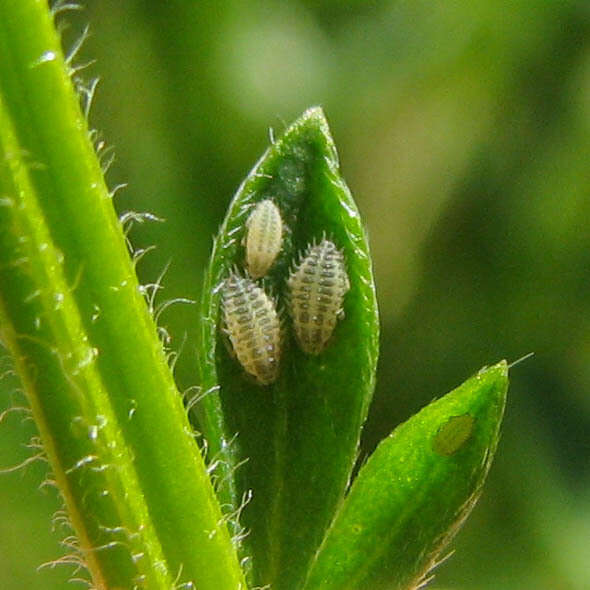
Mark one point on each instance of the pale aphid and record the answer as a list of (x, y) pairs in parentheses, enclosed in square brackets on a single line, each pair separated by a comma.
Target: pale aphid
[(316, 292), (253, 326), (263, 238), (453, 434)]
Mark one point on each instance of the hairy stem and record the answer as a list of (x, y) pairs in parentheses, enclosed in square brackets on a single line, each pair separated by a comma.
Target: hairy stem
[(73, 315)]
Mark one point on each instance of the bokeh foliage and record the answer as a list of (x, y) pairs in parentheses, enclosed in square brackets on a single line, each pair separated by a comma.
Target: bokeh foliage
[(464, 134)]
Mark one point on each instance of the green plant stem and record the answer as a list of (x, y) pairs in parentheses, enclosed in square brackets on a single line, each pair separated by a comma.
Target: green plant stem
[(73, 315), (42, 327)]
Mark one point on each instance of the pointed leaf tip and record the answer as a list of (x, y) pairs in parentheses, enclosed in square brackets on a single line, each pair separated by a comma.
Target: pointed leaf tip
[(299, 433), (415, 491)]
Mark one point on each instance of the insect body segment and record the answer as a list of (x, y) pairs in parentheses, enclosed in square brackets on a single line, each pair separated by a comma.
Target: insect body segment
[(317, 288), (264, 237), (253, 326)]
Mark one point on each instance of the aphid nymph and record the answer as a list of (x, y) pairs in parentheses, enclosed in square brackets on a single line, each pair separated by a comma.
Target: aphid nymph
[(263, 238), (453, 434), (316, 291), (253, 326)]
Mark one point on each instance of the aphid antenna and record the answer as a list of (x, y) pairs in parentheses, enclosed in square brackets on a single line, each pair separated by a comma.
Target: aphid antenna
[(526, 357)]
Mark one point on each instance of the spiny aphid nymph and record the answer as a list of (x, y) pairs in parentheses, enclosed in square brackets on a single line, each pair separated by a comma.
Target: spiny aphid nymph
[(253, 326), (316, 292), (263, 238)]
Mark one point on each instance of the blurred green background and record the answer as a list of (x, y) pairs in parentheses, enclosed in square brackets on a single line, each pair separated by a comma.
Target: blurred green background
[(464, 134)]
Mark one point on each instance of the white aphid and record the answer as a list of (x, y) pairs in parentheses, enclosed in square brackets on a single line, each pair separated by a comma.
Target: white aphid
[(263, 238), (316, 292), (253, 326)]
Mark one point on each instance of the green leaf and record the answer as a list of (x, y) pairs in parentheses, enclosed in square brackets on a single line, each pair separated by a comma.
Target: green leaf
[(299, 435), (72, 313), (415, 491)]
